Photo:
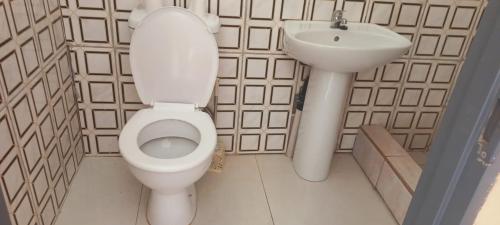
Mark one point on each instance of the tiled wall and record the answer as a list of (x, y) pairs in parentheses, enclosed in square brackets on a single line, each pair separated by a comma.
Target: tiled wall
[(409, 96), (40, 136), (257, 81)]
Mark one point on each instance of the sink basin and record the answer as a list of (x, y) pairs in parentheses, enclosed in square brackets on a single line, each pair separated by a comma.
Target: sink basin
[(362, 47), (333, 55)]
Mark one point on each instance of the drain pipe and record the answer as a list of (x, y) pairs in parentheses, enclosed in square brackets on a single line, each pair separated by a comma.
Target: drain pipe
[(299, 106), (152, 5), (142, 10), (200, 8)]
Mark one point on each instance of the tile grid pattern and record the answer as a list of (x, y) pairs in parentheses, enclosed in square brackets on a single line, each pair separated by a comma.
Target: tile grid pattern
[(409, 95), (40, 134), (251, 189), (257, 81)]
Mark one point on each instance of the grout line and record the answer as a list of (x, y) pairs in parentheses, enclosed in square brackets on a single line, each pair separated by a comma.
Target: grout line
[(241, 54), (59, 211), (264, 187), (139, 205), (114, 59)]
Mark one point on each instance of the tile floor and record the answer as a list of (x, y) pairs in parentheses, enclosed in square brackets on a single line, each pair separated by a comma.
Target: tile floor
[(251, 190)]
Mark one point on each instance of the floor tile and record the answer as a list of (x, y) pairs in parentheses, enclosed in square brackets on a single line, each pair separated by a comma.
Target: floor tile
[(233, 197), (345, 198), (103, 192)]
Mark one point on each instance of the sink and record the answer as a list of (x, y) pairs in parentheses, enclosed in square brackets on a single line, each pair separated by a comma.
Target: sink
[(362, 47), (334, 55)]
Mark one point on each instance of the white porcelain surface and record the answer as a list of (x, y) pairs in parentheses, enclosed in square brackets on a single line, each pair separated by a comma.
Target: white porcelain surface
[(151, 5), (147, 124), (333, 54), (250, 190), (103, 192), (171, 179), (319, 123), (199, 7), (163, 48), (235, 196), (361, 47), (174, 58)]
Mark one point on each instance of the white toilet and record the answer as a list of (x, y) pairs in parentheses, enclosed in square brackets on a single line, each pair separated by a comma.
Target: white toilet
[(169, 146)]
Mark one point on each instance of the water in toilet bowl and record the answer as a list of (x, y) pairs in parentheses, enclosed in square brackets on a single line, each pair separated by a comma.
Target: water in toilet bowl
[(169, 147)]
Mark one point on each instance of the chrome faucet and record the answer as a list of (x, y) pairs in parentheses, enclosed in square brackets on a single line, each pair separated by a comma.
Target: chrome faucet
[(338, 21)]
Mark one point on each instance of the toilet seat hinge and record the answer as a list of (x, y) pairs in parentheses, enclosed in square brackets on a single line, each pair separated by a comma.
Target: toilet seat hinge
[(174, 107)]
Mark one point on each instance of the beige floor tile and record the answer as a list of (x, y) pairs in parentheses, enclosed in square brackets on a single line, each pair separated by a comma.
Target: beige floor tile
[(233, 197), (141, 215), (345, 198), (103, 193)]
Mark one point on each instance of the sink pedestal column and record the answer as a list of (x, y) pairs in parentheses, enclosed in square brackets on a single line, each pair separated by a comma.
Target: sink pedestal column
[(320, 123)]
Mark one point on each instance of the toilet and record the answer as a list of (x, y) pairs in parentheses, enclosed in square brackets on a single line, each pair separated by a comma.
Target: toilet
[(169, 145)]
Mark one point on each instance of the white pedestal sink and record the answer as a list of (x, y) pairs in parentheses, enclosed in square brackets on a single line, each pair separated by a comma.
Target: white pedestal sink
[(334, 55)]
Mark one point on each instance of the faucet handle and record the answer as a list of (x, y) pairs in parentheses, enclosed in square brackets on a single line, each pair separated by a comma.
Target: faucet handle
[(338, 21), (343, 24), (339, 12)]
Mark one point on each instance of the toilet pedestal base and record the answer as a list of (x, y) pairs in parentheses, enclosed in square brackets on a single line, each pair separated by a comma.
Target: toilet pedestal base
[(172, 209)]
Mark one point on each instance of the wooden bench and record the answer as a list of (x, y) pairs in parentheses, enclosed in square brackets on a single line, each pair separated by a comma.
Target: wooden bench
[(389, 168)]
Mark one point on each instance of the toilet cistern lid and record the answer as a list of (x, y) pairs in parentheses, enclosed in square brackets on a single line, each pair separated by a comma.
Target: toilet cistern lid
[(173, 58)]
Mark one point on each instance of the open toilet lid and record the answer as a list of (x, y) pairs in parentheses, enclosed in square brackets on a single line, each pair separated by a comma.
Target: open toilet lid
[(173, 58)]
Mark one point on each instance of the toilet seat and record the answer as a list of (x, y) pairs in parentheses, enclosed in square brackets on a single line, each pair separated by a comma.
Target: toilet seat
[(131, 151), (174, 63), (174, 58)]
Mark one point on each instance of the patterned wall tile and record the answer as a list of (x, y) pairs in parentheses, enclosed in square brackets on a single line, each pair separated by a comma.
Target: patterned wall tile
[(49, 119), (440, 40), (445, 29), (90, 23), (228, 99), (257, 82), (37, 108), (98, 94), (401, 16), (264, 20), (230, 37), (268, 86)]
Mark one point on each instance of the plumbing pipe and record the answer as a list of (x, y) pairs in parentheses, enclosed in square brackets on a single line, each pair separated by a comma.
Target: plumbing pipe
[(199, 7), (151, 5), (299, 103)]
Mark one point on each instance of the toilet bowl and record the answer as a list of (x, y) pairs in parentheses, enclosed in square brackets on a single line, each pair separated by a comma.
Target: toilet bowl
[(169, 146), (168, 152)]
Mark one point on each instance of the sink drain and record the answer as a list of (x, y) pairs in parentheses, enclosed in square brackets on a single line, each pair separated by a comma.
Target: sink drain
[(336, 38)]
